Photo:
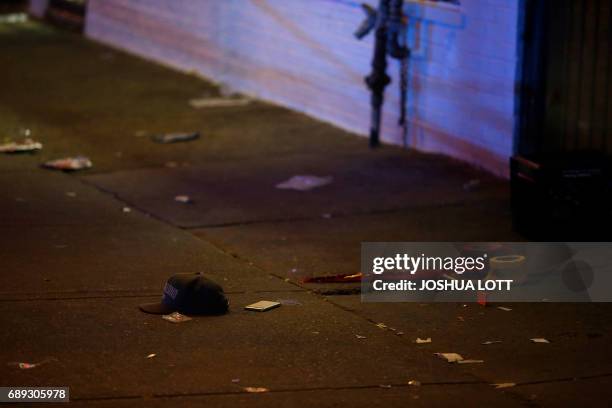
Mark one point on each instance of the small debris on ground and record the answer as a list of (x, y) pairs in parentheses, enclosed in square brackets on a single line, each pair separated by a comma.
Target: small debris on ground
[(399, 333), (69, 164), (505, 309), (470, 361), (423, 341), (262, 306), (28, 366), (489, 342), (175, 137), (219, 102), (450, 357), (183, 199), (381, 325), (256, 389), (176, 317), (25, 146), (503, 385), (471, 185), (360, 336), (414, 383), (71, 194), (126, 209), (539, 340), (304, 182), (151, 355), (14, 18), (384, 385), (235, 380), (327, 216)]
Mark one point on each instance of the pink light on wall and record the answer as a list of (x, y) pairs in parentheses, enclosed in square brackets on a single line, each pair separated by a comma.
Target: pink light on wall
[(303, 55)]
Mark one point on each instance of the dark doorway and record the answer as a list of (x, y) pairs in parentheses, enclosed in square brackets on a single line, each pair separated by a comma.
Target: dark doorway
[(561, 173), (567, 77)]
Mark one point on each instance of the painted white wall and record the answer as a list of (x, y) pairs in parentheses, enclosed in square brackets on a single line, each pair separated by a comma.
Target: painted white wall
[(302, 54)]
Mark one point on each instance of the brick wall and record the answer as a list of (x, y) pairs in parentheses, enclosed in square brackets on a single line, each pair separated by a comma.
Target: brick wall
[(301, 53)]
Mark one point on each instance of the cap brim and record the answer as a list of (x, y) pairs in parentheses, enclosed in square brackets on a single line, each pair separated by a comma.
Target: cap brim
[(158, 308)]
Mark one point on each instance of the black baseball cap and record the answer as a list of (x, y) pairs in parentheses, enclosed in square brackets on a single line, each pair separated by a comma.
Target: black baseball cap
[(189, 293)]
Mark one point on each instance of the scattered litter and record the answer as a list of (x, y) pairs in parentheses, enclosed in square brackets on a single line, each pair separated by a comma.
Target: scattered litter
[(505, 309), (176, 317), (28, 366), (212, 102), (69, 163), (384, 385), (151, 355), (399, 333), (539, 340), (344, 278), (289, 302), (414, 383), (256, 389), (127, 209), (470, 361), (422, 341), (489, 342), (304, 182), (450, 357), (27, 145), (14, 18), (360, 336), (235, 380), (503, 385), (381, 325), (71, 194), (175, 137), (184, 199), (262, 306), (461, 318), (471, 185)]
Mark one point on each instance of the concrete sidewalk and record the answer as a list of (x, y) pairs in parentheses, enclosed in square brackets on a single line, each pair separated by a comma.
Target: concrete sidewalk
[(76, 265)]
